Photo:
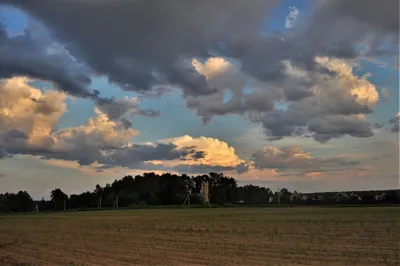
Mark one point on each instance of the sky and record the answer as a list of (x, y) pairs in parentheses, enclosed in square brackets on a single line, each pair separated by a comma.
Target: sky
[(296, 94)]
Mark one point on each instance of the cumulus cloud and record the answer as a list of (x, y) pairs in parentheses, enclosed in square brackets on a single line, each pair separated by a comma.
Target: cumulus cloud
[(228, 79), (211, 155), (338, 99), (28, 117), (28, 109), (291, 17), (216, 152), (332, 90)]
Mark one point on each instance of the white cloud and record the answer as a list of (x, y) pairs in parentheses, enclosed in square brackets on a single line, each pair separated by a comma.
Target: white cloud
[(215, 152), (29, 109), (98, 133), (28, 117), (360, 87), (291, 17)]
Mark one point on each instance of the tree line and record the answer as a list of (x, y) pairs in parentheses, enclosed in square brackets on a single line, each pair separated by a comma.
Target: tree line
[(170, 189)]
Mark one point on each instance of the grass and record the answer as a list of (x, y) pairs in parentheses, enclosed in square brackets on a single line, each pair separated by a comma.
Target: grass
[(231, 236)]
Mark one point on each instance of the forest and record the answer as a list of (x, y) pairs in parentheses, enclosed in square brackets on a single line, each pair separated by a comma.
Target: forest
[(151, 189)]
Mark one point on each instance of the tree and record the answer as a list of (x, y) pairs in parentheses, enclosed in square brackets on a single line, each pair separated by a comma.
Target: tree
[(58, 197)]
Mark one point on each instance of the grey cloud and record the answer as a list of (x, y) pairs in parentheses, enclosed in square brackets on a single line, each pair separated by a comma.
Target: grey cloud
[(198, 155), (303, 173), (325, 116), (138, 153), (151, 48), (281, 159), (330, 127), (133, 157), (378, 125), (396, 65), (207, 107), (395, 122), (339, 26), (336, 28), (27, 55), (12, 140), (242, 168), (293, 157), (3, 154), (200, 168), (13, 134), (117, 109), (156, 47)]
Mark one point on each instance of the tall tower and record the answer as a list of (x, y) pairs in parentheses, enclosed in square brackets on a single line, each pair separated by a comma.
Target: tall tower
[(204, 193)]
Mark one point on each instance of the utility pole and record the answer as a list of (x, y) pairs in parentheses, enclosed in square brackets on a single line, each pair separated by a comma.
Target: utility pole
[(279, 196), (187, 199), (116, 203), (36, 209)]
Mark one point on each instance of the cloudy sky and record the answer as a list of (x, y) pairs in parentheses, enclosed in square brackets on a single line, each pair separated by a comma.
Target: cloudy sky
[(295, 94)]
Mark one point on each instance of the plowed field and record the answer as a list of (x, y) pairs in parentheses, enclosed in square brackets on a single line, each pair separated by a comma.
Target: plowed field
[(229, 236)]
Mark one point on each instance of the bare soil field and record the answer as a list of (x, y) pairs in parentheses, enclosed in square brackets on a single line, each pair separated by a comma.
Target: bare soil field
[(225, 236)]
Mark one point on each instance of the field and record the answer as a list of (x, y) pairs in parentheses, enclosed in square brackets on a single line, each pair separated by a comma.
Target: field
[(222, 236)]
